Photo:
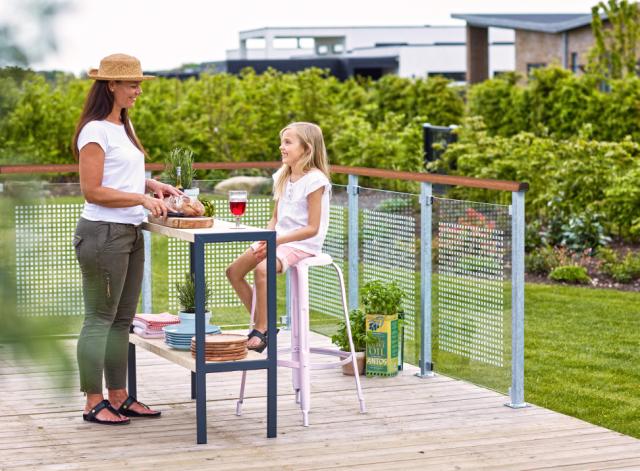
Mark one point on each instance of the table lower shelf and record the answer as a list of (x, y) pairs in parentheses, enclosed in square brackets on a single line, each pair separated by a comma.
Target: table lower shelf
[(179, 357)]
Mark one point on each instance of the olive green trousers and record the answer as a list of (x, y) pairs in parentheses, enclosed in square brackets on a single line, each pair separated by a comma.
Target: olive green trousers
[(111, 258)]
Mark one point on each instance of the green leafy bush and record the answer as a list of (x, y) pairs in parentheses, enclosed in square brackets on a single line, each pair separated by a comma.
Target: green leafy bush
[(358, 325), (396, 205), (622, 270), (234, 118), (555, 102), (570, 274), (380, 297), (575, 178)]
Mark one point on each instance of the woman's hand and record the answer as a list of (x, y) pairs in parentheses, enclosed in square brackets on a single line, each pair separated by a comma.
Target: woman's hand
[(156, 206), (160, 190)]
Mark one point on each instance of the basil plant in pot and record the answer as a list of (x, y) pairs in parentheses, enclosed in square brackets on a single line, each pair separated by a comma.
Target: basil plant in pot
[(186, 293), (357, 322), (382, 302), (382, 298)]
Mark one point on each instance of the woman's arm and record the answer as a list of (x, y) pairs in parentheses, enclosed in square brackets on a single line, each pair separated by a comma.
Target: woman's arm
[(91, 172)]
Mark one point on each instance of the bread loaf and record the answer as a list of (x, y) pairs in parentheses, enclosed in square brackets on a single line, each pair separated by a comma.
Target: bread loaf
[(184, 204)]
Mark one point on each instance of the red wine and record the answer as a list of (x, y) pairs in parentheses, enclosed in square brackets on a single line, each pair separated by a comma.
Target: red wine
[(237, 207)]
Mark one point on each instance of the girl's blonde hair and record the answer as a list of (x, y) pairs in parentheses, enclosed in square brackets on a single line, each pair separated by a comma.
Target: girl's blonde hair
[(315, 153)]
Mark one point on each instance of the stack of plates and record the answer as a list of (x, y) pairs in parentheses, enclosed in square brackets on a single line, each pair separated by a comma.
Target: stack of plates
[(223, 347), (179, 336)]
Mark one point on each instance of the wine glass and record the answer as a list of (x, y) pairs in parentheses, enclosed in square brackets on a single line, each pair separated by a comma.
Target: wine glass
[(237, 205)]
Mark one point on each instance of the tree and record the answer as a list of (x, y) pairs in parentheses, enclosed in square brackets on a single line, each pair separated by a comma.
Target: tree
[(15, 52), (614, 54)]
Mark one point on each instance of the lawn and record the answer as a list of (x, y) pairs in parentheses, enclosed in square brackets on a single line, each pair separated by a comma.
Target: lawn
[(582, 356)]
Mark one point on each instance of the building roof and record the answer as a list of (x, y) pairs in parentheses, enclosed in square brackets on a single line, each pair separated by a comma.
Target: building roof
[(546, 23)]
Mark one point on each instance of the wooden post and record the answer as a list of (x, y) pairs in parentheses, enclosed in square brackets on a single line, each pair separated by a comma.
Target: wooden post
[(477, 54)]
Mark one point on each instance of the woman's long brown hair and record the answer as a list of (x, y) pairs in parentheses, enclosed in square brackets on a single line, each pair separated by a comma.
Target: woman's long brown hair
[(98, 106)]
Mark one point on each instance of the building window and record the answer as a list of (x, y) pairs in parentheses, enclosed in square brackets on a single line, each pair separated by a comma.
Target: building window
[(574, 62), (285, 43), (306, 43), (454, 76), (338, 48), (532, 66), (323, 49), (256, 43)]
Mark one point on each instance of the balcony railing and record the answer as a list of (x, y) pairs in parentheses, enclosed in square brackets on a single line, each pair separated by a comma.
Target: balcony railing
[(461, 263)]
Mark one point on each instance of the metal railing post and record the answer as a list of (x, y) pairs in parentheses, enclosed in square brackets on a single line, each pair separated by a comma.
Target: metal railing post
[(516, 392), (426, 206), (354, 259), (147, 294)]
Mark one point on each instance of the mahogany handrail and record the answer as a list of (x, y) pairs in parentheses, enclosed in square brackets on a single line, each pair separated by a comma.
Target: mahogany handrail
[(452, 180)]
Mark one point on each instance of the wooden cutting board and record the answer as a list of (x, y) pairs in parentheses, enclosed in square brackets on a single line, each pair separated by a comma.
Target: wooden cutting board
[(183, 223)]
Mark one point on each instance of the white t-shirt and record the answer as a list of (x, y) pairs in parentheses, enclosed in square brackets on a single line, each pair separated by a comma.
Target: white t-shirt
[(293, 209), (123, 170)]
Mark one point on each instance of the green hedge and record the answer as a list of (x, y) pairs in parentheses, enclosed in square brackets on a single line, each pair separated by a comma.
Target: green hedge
[(570, 177), (558, 103), (229, 118)]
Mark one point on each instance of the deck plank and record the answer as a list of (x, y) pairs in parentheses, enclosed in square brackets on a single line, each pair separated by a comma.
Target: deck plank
[(411, 423)]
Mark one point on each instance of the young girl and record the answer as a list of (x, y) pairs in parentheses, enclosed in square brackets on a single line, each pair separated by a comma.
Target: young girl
[(301, 189)]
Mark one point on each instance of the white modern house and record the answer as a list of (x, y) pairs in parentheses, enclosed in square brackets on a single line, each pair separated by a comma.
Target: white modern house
[(408, 51)]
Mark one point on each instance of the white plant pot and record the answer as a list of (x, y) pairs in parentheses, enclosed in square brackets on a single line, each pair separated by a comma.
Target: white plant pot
[(192, 192), (190, 317)]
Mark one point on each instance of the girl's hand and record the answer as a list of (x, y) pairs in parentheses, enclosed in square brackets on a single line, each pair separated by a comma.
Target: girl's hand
[(260, 252), (160, 190), (155, 206)]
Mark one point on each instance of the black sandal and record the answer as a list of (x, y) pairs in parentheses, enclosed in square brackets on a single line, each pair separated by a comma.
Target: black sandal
[(104, 404), (125, 409), (263, 340)]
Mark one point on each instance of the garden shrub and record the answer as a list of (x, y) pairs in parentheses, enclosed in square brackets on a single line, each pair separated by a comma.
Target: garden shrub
[(232, 118), (555, 102), (570, 274), (568, 179), (622, 270)]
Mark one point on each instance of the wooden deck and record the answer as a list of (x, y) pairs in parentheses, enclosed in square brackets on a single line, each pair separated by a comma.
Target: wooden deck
[(412, 423)]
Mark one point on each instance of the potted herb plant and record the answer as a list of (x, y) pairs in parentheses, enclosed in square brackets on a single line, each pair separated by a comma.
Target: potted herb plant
[(357, 321), (186, 293), (382, 301), (179, 170)]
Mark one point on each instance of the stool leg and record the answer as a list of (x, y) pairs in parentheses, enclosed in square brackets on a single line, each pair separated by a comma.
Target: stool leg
[(241, 398), (303, 329), (244, 373), (351, 347), (295, 332)]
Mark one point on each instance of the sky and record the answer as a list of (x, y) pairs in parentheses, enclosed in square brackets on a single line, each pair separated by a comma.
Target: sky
[(165, 34)]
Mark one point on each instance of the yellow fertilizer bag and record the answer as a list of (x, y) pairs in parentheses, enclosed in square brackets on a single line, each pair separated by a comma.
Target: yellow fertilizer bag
[(382, 354)]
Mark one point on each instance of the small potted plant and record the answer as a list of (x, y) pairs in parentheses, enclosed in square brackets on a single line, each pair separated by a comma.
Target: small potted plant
[(179, 170), (360, 336), (382, 302), (186, 293)]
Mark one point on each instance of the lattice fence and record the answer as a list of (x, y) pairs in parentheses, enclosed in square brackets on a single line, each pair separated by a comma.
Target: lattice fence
[(48, 278), (472, 242)]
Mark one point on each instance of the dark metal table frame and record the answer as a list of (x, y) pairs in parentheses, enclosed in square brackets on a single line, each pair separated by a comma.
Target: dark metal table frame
[(199, 377)]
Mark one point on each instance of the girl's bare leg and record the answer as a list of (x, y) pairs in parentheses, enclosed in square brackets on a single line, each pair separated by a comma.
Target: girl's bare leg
[(236, 273), (260, 315)]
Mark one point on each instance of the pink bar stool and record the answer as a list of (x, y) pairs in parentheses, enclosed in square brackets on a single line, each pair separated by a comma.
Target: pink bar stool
[(300, 361)]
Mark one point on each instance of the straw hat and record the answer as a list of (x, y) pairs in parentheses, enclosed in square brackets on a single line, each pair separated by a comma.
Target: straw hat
[(119, 67)]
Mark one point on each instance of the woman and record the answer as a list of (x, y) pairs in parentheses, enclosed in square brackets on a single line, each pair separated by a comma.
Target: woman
[(108, 240)]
